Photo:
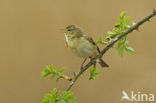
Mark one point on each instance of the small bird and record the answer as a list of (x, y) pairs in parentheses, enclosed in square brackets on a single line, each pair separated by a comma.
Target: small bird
[(81, 44)]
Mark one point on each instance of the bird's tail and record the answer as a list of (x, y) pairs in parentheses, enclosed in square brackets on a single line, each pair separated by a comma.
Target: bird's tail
[(102, 63)]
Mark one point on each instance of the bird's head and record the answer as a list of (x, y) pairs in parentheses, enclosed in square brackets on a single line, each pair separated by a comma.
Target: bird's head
[(73, 31)]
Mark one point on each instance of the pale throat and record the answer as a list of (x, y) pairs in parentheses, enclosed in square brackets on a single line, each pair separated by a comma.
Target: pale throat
[(69, 40)]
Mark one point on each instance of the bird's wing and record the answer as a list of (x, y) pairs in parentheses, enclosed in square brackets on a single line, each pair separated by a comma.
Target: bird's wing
[(92, 41)]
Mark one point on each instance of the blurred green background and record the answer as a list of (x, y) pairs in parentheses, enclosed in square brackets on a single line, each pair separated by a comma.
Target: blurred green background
[(30, 39)]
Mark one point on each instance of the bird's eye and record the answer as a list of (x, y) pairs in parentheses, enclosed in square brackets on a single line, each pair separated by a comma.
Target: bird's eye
[(69, 29)]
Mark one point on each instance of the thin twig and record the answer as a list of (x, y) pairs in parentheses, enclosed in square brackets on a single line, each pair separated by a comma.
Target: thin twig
[(132, 28)]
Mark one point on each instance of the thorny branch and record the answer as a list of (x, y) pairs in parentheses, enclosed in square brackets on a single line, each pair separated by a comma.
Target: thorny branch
[(132, 28)]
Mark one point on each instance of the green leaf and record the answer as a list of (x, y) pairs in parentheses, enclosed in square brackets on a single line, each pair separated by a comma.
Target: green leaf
[(129, 50), (127, 19), (53, 76), (93, 73), (100, 41), (118, 44), (117, 25), (55, 92), (57, 79), (122, 15), (44, 101), (120, 48), (121, 26), (51, 98), (62, 69), (47, 71), (108, 38), (66, 96), (112, 34), (126, 43), (120, 51), (50, 68), (54, 72)]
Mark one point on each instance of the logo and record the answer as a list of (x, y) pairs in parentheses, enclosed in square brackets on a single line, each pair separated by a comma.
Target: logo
[(137, 96)]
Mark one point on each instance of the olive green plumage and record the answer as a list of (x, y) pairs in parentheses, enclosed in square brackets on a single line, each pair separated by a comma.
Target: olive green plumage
[(81, 44)]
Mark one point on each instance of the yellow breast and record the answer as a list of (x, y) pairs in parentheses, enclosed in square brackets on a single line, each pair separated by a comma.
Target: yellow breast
[(81, 47), (71, 42)]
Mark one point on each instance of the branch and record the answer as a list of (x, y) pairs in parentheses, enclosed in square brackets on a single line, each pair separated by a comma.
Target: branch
[(132, 28)]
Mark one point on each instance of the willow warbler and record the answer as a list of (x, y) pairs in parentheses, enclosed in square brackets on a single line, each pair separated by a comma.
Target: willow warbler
[(81, 44)]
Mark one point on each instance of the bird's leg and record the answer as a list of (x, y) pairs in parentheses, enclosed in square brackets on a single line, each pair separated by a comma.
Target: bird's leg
[(83, 63), (94, 64)]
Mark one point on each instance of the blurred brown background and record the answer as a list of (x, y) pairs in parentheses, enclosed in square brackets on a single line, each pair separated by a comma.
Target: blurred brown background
[(30, 39)]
